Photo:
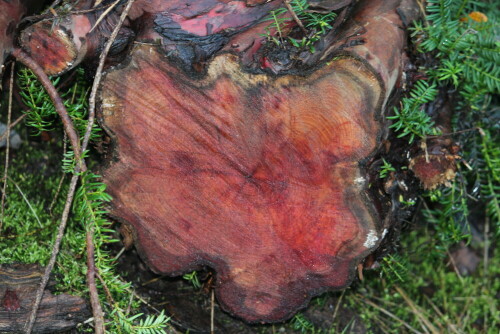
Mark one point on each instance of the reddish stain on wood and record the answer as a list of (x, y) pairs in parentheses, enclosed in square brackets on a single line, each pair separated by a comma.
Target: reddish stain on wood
[(10, 301)]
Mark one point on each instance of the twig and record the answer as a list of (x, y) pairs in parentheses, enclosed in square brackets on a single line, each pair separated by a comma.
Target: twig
[(103, 15), (7, 144), (26, 200), (486, 245), (55, 251), (454, 265), (404, 323), (27, 61), (416, 310), (11, 125), (94, 296), (339, 301), (212, 312), (294, 16)]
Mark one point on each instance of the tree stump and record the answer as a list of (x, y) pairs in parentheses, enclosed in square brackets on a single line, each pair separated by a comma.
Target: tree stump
[(248, 159)]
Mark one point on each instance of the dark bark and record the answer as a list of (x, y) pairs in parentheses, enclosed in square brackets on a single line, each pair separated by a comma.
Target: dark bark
[(18, 285)]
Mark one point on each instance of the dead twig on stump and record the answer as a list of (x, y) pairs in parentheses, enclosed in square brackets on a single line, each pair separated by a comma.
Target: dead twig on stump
[(294, 16), (91, 273)]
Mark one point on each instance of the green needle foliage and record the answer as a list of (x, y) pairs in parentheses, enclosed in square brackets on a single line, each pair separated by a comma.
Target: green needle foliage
[(394, 268), (148, 325), (301, 324), (465, 63), (467, 55), (42, 115), (316, 24), (468, 50), (386, 169), (193, 278), (411, 121)]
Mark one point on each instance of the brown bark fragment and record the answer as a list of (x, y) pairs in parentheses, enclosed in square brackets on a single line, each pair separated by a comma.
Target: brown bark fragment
[(18, 284), (11, 13)]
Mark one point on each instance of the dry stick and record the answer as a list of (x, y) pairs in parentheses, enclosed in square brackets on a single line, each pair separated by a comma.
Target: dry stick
[(338, 306), (11, 125), (98, 74), (94, 296), (7, 144), (55, 251), (27, 61), (104, 14), (212, 312), (404, 323), (26, 200), (417, 311), (294, 16)]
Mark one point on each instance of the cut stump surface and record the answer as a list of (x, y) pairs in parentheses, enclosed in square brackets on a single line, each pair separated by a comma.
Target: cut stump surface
[(258, 177)]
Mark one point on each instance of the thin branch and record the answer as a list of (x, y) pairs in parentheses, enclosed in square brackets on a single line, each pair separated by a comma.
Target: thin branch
[(94, 296), (7, 147), (11, 125), (26, 200), (98, 74), (294, 16), (104, 14), (386, 312), (55, 251), (27, 61), (91, 273), (212, 312), (418, 312)]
